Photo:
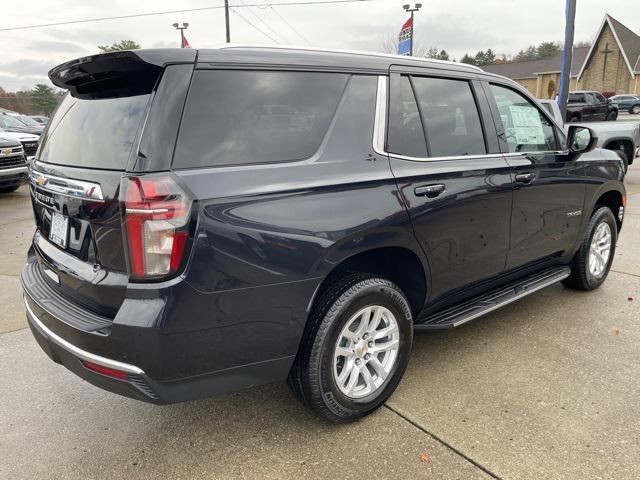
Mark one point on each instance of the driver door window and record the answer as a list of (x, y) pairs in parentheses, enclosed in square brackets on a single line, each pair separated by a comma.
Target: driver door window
[(526, 128)]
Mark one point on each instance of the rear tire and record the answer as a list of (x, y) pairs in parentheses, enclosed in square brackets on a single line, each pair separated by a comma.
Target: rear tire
[(635, 110), (589, 269), (343, 341), (574, 119)]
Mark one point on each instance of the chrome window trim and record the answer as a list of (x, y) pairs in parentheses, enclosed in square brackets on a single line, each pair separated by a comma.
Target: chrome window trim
[(380, 120), (78, 352), (68, 187), (380, 129)]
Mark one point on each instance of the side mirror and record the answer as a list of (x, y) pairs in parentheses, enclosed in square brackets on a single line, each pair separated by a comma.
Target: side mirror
[(581, 139)]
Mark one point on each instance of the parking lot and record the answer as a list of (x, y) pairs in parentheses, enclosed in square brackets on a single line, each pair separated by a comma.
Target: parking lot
[(547, 387)]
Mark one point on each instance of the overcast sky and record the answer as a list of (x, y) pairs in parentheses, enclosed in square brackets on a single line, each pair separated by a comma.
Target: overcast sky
[(459, 26)]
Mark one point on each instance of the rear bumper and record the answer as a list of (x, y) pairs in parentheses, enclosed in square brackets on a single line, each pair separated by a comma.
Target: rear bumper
[(138, 384), (165, 359)]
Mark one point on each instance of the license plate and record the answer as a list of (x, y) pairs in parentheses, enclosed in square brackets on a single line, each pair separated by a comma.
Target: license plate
[(59, 229)]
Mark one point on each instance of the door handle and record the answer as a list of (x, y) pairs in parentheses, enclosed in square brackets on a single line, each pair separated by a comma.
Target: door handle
[(429, 191), (525, 177)]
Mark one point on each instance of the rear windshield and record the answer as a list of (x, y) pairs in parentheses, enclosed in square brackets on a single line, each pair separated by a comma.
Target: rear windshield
[(248, 117), (94, 133)]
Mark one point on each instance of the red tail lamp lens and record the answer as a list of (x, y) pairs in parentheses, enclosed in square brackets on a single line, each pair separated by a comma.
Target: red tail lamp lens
[(156, 217)]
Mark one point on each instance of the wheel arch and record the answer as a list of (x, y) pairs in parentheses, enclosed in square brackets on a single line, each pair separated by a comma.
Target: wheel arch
[(613, 199), (399, 264), (625, 143)]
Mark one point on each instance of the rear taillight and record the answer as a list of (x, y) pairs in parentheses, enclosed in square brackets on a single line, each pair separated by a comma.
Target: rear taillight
[(156, 213)]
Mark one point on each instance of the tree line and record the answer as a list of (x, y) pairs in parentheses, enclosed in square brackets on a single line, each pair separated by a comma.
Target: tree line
[(488, 56)]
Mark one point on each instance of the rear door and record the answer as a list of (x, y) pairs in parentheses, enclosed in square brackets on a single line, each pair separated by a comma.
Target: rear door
[(549, 186), (92, 139), (451, 177)]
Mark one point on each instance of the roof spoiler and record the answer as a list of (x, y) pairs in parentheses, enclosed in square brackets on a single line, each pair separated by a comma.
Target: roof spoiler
[(117, 74)]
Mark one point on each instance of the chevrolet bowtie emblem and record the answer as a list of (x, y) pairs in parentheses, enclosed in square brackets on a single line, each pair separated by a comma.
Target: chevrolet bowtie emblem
[(42, 181), (6, 151)]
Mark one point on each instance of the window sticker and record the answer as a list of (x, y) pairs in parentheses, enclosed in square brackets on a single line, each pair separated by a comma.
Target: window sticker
[(527, 127)]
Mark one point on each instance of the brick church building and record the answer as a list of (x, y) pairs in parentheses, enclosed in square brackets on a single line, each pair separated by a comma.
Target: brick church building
[(611, 65)]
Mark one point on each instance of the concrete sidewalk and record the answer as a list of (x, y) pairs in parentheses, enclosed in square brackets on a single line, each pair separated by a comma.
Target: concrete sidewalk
[(547, 387)]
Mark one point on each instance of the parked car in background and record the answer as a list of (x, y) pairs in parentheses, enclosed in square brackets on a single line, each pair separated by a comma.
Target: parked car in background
[(621, 137), (40, 119), (13, 165), (29, 141), (11, 123), (191, 241), (630, 103), (28, 121), (587, 106)]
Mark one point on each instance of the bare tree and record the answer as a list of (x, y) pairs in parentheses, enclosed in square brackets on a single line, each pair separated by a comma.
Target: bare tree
[(389, 44)]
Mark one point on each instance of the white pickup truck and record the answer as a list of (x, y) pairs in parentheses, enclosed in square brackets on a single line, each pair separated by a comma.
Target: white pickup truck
[(622, 137)]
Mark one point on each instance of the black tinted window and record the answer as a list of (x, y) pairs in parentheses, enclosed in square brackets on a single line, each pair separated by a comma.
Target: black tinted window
[(245, 117), (450, 117), (406, 136), (526, 128), (577, 98), (94, 133)]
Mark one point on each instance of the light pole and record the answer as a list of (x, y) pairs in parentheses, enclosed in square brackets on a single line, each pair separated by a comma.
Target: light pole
[(226, 20), (415, 8), (182, 29), (567, 57)]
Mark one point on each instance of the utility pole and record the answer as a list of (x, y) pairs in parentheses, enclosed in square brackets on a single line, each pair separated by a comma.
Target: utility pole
[(567, 57), (226, 20), (415, 8), (182, 29)]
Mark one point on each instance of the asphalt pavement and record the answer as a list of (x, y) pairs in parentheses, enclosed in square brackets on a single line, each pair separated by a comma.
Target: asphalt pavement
[(547, 387)]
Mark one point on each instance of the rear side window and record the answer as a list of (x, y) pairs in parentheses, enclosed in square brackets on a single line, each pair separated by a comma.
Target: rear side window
[(577, 98), (238, 117), (97, 133), (406, 136), (450, 117)]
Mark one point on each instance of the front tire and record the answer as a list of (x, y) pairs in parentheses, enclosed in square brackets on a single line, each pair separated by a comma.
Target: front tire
[(355, 349), (612, 116), (592, 262)]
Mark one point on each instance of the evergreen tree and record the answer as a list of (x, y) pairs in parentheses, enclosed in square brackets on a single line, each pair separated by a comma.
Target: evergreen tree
[(43, 99), (117, 46)]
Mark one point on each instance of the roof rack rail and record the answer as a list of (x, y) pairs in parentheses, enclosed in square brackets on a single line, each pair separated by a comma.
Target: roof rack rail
[(352, 52)]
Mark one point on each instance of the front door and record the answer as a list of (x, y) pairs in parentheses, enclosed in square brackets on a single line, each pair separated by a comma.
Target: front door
[(548, 185), (457, 193)]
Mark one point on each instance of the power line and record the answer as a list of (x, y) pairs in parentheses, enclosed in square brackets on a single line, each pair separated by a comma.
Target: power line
[(267, 26), (254, 26), (290, 26), (187, 10)]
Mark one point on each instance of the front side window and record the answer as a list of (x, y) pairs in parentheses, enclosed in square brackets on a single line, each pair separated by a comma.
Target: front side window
[(239, 117), (450, 117), (526, 128)]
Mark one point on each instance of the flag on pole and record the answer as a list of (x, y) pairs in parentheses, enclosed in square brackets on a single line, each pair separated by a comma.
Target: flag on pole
[(404, 39), (185, 43)]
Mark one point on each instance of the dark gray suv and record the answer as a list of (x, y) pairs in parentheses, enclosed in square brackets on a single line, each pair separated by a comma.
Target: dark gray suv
[(215, 219)]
